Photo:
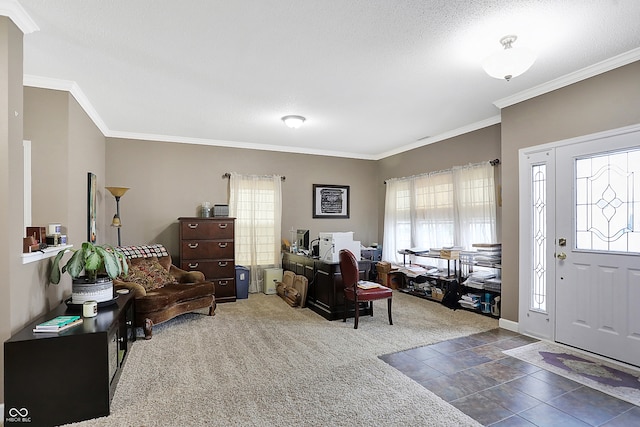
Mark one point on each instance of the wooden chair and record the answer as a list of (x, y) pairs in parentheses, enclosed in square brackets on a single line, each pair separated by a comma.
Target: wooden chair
[(350, 277)]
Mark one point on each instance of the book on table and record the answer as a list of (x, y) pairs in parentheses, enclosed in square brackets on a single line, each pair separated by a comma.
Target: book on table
[(58, 323)]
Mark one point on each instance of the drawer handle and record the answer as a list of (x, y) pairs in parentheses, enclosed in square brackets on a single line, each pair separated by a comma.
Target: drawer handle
[(193, 265), (223, 283), (193, 245), (223, 245), (222, 263), (223, 225), (192, 226)]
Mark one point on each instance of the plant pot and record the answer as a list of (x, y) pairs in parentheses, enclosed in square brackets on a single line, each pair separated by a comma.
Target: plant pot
[(84, 289)]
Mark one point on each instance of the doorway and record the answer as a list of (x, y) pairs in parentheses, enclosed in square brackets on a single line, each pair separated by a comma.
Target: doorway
[(580, 243)]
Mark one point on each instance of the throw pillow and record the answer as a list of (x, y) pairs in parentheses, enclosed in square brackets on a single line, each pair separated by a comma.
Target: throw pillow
[(148, 273)]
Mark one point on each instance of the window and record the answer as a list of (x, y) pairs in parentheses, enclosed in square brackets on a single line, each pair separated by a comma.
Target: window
[(607, 195), (255, 202), (446, 208), (539, 237)]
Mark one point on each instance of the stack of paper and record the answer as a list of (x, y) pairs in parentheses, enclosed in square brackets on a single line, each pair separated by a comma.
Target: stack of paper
[(471, 301)]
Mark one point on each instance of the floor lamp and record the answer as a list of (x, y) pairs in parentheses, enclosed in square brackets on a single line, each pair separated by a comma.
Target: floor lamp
[(117, 192)]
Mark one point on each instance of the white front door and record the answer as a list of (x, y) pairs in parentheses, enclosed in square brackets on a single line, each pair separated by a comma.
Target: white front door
[(580, 243), (597, 246)]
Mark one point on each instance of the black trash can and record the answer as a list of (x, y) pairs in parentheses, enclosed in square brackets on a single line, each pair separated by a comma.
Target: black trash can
[(242, 282)]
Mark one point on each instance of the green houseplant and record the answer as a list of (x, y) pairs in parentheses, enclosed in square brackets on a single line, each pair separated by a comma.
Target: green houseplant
[(92, 260)]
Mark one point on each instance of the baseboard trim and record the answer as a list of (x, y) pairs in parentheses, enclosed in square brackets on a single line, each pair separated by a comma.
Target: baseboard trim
[(508, 325)]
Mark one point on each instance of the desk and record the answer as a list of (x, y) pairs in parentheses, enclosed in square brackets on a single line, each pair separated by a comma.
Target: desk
[(325, 295)]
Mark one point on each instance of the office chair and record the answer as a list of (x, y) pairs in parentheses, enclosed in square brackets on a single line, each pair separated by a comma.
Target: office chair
[(350, 276)]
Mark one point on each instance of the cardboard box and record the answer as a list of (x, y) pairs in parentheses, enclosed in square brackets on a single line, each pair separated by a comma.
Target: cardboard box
[(437, 294), (390, 280), (383, 267), (449, 254)]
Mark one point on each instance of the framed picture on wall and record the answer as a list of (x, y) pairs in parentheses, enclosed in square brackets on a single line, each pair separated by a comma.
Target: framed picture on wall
[(330, 201), (92, 187)]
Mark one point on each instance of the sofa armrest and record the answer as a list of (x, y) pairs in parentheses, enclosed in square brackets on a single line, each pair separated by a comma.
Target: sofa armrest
[(138, 290), (183, 276)]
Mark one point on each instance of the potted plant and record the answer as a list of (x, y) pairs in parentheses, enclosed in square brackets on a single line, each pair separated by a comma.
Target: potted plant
[(99, 263)]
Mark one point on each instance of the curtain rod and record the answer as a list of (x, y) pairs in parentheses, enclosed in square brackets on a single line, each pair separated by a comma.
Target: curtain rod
[(228, 175), (494, 162)]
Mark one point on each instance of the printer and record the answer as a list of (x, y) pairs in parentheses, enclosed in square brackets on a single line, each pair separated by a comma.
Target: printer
[(332, 243)]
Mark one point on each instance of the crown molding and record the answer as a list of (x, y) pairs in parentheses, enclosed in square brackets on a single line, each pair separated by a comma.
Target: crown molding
[(233, 144), (74, 89), (571, 78), (14, 11), (585, 73), (441, 137)]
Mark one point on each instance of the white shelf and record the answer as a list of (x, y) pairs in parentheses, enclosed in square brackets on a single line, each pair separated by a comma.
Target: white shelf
[(43, 254)]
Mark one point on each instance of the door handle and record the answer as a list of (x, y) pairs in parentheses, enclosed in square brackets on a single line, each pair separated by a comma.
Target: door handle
[(561, 256)]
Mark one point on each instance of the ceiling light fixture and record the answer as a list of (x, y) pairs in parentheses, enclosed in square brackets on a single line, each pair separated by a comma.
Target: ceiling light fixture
[(509, 62), (294, 122)]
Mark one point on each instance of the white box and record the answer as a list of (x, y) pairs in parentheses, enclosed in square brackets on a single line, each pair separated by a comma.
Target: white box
[(332, 243), (271, 277)]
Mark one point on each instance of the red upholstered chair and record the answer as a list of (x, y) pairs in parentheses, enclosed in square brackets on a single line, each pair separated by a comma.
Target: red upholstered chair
[(350, 277)]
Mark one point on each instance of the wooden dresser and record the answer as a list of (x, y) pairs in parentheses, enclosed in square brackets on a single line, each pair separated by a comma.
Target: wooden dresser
[(206, 245)]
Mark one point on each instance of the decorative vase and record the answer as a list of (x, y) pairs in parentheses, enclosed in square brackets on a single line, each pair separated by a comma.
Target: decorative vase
[(84, 289)]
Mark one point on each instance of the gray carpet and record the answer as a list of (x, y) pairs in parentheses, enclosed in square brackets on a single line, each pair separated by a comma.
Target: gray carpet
[(259, 362)]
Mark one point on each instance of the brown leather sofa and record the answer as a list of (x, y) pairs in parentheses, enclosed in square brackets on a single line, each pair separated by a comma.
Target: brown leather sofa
[(162, 290)]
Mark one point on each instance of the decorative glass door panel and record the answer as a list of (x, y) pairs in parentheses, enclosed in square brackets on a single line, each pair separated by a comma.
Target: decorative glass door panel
[(606, 201), (597, 284)]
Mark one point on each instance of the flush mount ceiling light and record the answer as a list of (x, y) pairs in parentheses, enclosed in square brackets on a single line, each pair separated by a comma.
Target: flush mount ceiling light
[(294, 122), (509, 62)]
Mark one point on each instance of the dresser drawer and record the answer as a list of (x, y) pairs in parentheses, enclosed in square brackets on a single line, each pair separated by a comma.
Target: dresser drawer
[(198, 249), (225, 288), (212, 269), (206, 229)]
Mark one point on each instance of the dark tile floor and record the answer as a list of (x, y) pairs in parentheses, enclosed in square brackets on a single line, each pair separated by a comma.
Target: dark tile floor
[(472, 374)]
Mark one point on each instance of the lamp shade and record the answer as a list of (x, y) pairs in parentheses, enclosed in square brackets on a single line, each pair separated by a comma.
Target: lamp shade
[(509, 62), (117, 191), (294, 122)]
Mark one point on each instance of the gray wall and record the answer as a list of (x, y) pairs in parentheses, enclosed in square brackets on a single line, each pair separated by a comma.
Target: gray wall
[(65, 145), (607, 101), (12, 273), (170, 180)]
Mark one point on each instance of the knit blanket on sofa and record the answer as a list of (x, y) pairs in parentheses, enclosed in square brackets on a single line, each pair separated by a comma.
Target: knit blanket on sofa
[(144, 251)]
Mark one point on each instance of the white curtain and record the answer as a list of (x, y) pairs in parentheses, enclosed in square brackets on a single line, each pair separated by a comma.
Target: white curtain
[(444, 208), (256, 203), (475, 201), (397, 218), (419, 214)]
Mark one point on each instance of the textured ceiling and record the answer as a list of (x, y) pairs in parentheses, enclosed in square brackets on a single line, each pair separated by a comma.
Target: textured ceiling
[(372, 77)]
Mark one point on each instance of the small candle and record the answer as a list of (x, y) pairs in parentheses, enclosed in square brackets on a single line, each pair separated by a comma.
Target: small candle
[(90, 309)]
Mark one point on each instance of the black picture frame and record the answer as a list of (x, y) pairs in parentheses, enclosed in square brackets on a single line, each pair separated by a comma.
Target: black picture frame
[(330, 201)]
